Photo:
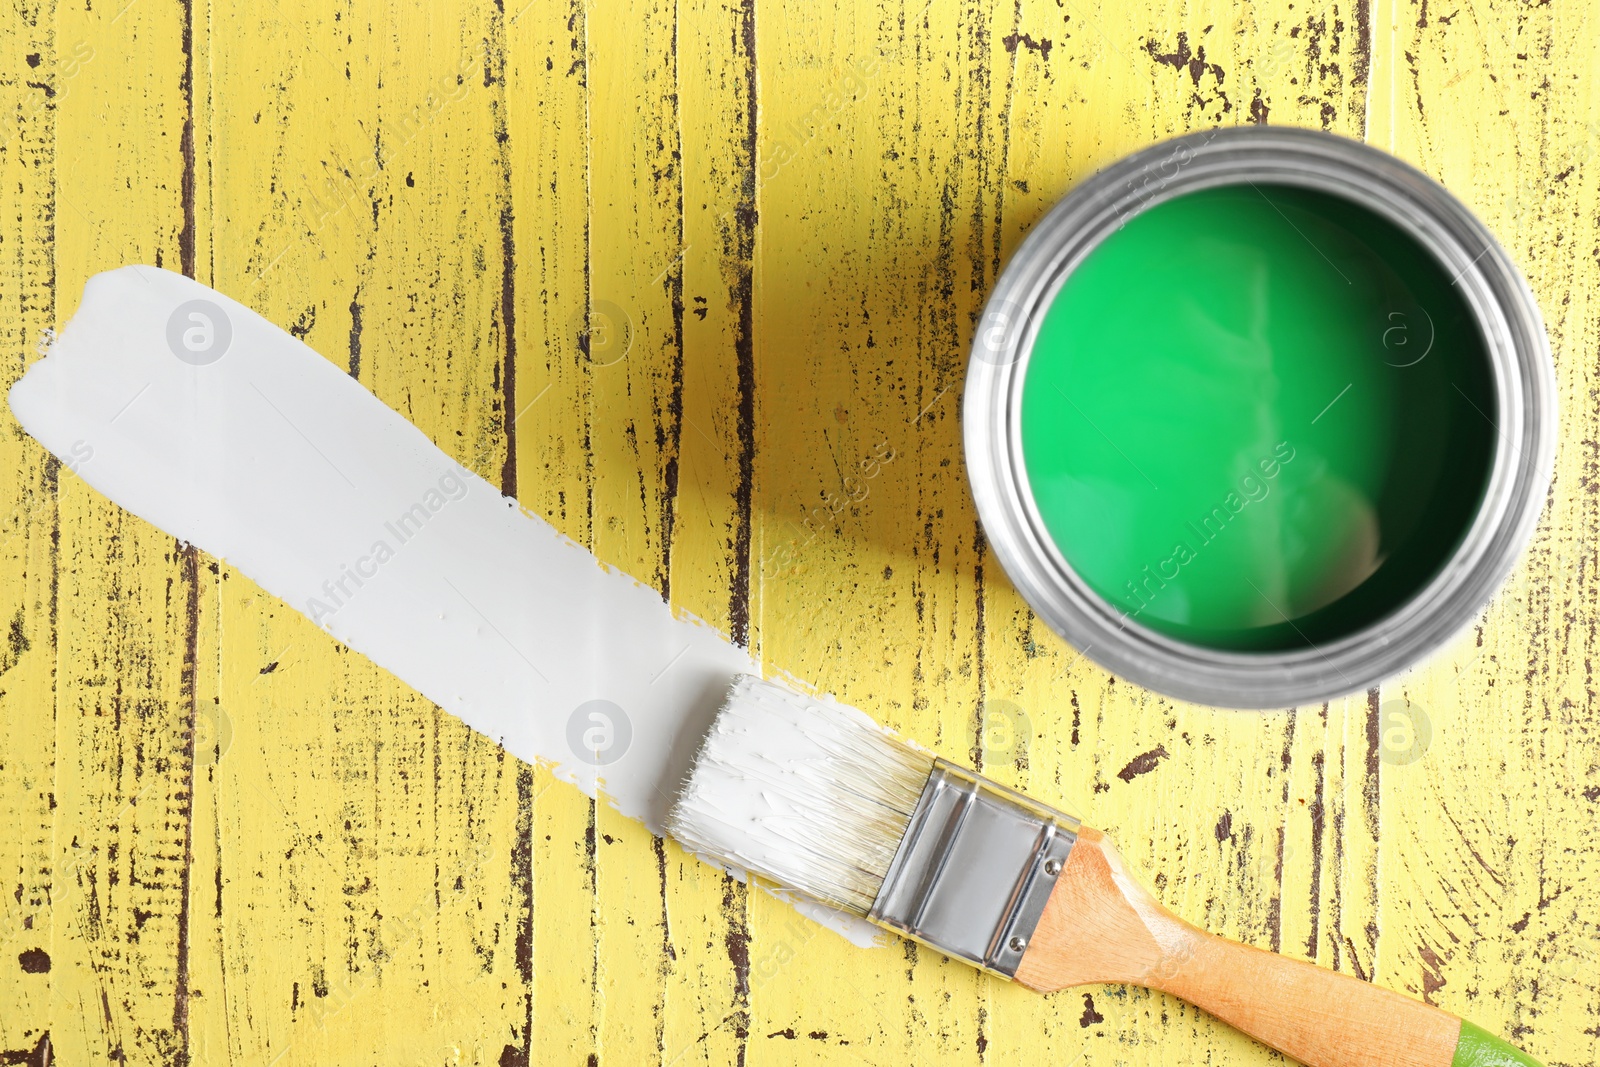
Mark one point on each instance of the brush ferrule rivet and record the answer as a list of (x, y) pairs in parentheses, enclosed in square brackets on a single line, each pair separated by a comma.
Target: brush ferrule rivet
[(974, 869)]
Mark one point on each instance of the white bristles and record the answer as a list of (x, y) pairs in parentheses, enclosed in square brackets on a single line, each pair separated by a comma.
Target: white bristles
[(810, 794)]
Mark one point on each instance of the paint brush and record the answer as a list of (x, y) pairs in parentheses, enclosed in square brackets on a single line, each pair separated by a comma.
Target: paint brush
[(820, 799)]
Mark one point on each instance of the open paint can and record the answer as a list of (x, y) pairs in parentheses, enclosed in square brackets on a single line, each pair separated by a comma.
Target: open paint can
[(1259, 417)]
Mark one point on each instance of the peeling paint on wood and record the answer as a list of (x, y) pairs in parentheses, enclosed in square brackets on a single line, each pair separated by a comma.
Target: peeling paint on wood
[(696, 280)]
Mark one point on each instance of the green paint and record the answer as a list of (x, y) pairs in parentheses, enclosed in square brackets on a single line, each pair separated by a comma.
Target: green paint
[(1479, 1048), (1220, 431)]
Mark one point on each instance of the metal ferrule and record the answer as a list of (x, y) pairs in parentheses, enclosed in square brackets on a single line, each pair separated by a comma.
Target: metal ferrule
[(973, 872)]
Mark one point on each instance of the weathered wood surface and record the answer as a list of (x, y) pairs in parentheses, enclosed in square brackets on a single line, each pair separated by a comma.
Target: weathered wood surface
[(224, 839)]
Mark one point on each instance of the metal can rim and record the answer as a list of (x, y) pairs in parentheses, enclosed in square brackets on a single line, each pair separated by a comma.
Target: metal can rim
[(1515, 344)]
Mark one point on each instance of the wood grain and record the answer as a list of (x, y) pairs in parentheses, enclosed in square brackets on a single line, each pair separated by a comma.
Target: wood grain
[(1100, 925), (228, 840)]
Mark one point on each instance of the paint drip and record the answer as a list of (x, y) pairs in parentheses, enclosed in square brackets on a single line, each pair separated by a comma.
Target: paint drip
[(215, 425)]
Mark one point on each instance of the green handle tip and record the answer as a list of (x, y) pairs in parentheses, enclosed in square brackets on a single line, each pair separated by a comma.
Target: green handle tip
[(1479, 1048)]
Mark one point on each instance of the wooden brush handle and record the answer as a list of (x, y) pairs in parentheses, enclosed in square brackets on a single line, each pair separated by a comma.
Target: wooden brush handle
[(1102, 926)]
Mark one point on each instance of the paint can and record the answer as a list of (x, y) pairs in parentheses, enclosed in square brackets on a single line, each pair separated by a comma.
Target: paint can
[(1148, 444)]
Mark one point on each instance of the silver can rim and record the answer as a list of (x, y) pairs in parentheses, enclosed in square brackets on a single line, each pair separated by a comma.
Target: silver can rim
[(1515, 343)]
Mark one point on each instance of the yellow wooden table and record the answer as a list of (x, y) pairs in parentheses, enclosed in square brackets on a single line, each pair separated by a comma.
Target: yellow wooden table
[(226, 840)]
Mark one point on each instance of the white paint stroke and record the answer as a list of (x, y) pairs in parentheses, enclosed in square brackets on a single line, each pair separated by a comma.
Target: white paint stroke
[(275, 460)]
